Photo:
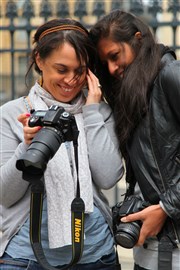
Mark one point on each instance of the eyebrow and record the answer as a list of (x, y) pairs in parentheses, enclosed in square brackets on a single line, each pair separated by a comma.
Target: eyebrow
[(58, 64), (62, 65)]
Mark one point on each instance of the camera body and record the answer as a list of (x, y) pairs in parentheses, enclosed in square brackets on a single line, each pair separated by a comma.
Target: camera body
[(127, 234), (56, 117), (58, 126)]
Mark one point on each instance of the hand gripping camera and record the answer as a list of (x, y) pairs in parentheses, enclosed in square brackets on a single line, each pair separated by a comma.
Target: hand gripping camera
[(127, 234), (58, 126)]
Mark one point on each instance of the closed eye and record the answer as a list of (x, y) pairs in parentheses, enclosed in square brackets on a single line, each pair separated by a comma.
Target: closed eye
[(114, 57), (62, 71)]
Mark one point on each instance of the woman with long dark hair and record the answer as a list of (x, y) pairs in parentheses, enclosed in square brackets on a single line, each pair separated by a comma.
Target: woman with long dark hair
[(141, 82)]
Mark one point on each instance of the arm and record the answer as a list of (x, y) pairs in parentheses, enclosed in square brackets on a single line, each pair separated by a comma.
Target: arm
[(170, 83), (104, 156), (14, 142), (154, 217), (13, 187)]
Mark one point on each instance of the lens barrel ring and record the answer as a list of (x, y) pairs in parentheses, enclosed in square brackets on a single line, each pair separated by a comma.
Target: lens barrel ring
[(127, 234)]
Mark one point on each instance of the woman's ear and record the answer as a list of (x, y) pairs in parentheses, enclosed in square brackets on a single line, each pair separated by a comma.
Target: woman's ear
[(138, 35), (38, 61)]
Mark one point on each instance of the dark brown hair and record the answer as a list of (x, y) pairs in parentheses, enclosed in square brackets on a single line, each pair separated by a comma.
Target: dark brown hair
[(128, 97), (77, 38)]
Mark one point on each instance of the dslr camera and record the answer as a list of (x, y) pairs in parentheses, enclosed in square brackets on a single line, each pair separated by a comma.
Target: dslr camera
[(127, 234), (58, 126)]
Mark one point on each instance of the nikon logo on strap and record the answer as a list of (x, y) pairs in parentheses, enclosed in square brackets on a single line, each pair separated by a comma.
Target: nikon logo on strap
[(77, 230)]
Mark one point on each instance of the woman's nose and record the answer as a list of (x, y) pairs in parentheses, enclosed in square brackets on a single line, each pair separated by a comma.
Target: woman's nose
[(70, 78), (112, 67)]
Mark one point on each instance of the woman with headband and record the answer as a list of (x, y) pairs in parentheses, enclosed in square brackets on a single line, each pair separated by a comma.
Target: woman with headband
[(63, 56)]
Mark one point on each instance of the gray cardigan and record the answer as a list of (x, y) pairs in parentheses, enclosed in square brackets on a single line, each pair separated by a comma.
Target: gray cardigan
[(104, 157)]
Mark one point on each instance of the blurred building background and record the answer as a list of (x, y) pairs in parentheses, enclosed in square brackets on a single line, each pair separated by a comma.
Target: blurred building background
[(20, 18)]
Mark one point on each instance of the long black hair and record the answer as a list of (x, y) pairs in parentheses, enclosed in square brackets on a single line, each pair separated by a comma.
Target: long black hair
[(128, 97)]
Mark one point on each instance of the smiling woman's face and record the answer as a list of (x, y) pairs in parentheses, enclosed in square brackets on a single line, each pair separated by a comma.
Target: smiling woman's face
[(63, 74), (117, 56)]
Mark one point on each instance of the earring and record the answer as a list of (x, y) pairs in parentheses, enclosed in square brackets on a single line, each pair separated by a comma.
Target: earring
[(41, 79)]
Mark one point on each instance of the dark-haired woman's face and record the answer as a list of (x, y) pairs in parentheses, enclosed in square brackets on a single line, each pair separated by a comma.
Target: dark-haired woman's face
[(63, 74), (117, 56)]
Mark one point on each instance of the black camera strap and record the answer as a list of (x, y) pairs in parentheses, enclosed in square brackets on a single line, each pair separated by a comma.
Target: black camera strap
[(77, 221), (165, 250)]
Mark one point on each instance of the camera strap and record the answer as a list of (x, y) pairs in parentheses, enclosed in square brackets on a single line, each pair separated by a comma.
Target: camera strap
[(165, 249), (77, 221)]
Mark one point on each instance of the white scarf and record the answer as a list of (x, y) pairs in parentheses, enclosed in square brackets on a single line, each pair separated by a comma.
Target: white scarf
[(60, 175)]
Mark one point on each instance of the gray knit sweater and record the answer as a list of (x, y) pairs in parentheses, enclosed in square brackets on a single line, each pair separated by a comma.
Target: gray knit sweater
[(104, 157)]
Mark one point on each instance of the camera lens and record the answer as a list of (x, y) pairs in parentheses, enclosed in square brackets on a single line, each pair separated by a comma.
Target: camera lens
[(42, 148), (127, 234)]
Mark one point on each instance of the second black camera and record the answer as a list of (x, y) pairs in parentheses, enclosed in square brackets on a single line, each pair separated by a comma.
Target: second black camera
[(127, 234)]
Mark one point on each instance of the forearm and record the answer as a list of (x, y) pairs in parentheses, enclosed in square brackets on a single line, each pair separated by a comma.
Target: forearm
[(104, 156), (171, 201), (13, 187)]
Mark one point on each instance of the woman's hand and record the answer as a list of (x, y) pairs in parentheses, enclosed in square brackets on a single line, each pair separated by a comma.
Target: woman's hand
[(29, 132), (94, 89), (152, 217)]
